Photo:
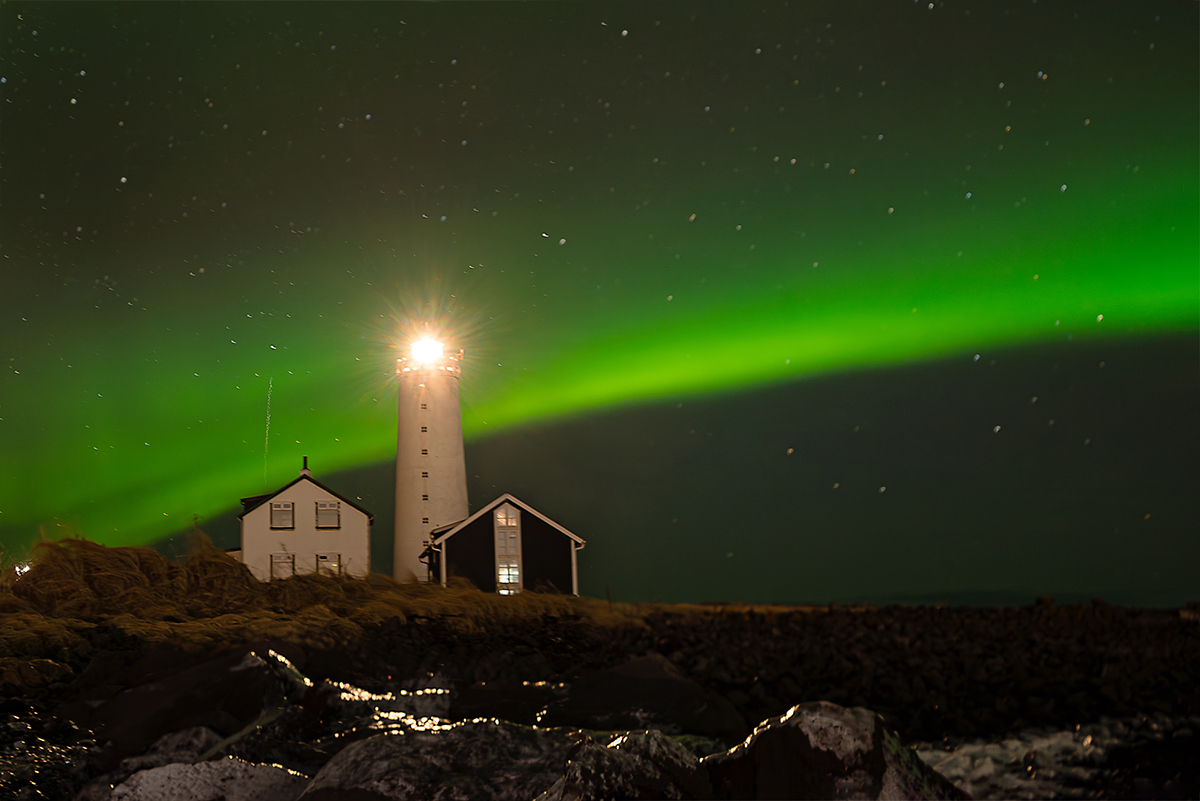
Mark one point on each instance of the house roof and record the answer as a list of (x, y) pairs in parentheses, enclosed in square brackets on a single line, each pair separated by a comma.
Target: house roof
[(442, 533), (255, 501)]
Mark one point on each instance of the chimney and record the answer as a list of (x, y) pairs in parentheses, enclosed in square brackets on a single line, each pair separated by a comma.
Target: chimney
[(304, 471)]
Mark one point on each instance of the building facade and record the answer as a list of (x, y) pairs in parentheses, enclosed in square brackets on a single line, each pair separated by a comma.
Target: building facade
[(305, 527), (506, 547)]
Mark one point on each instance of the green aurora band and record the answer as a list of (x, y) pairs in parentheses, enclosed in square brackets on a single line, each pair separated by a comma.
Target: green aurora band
[(123, 482), (132, 402)]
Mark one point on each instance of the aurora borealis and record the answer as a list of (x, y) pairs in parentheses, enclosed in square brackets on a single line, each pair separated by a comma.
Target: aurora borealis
[(219, 219)]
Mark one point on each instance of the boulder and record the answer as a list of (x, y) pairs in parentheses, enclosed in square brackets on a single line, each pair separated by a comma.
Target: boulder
[(225, 694), (638, 764), (430, 697), (186, 745), (521, 702), (183, 747), (333, 715), (646, 692), (223, 780), (489, 760), (821, 750)]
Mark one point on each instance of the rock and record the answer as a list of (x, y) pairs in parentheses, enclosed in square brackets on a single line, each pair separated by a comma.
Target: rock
[(1078, 664), (287, 747), (431, 697), (1088, 761), (184, 746), (223, 780), (639, 764), (467, 761), (22, 674), (985, 768), (515, 701), (821, 750), (642, 692), (41, 757), (225, 694), (334, 714)]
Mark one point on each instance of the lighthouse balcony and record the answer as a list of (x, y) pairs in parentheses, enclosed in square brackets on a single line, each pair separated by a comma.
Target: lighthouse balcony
[(452, 369)]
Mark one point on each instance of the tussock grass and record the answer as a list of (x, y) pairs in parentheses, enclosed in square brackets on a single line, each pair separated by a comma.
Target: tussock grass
[(212, 600)]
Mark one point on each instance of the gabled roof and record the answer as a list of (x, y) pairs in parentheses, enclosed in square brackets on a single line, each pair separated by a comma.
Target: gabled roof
[(443, 533), (255, 501), (438, 530)]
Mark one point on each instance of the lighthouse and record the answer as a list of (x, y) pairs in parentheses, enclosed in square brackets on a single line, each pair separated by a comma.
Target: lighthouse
[(431, 473)]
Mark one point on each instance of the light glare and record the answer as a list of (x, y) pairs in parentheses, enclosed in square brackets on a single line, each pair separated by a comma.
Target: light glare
[(426, 351)]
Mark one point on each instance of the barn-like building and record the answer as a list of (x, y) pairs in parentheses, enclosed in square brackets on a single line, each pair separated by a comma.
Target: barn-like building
[(506, 547)]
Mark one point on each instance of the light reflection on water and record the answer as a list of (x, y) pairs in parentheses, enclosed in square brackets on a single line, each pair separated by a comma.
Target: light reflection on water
[(394, 712), (349, 692), (395, 723), (402, 720), (287, 770)]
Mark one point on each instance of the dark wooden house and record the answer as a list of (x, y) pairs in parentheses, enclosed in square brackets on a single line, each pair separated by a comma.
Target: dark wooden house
[(506, 547)]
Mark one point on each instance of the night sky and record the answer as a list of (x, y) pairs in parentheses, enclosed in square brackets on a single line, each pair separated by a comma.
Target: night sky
[(791, 302)]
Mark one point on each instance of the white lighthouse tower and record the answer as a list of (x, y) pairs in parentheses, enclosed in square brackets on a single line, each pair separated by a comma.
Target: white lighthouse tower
[(431, 472)]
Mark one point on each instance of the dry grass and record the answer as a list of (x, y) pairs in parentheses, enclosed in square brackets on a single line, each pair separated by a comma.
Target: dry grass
[(213, 600)]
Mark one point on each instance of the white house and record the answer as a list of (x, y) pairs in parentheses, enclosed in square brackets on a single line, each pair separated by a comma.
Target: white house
[(305, 527)]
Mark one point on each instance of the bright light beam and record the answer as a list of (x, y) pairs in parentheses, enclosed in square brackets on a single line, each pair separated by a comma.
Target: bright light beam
[(426, 351)]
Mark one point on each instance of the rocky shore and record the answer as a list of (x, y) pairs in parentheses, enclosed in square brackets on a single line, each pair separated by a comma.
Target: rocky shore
[(397, 692)]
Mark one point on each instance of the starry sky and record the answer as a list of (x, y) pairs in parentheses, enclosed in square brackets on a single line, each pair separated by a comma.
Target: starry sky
[(767, 301)]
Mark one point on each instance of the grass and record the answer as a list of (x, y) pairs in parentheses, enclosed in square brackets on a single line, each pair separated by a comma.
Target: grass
[(212, 601)]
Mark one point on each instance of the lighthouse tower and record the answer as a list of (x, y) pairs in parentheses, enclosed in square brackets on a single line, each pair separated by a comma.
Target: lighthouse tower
[(431, 473)]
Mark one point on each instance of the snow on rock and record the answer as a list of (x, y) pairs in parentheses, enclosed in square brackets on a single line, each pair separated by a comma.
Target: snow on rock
[(224, 780)]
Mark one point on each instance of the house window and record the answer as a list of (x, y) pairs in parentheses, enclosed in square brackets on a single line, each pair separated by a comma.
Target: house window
[(282, 515), (507, 526), (424, 405), (328, 514), (424, 519), (424, 474), (506, 517), (424, 497), (283, 565), (424, 429), (424, 451), (329, 564)]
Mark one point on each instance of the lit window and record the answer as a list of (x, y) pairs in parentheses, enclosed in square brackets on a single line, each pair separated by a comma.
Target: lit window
[(509, 573), (328, 514), (329, 564), (507, 528), (506, 516), (282, 515), (283, 565)]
